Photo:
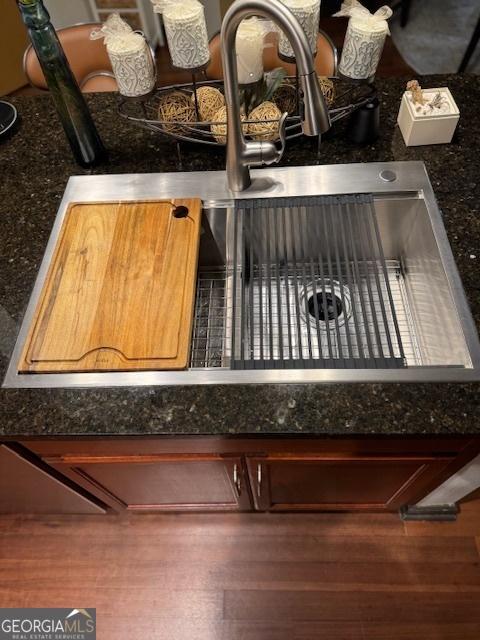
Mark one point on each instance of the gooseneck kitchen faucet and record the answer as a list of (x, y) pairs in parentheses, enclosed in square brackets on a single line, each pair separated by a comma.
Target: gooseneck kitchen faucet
[(315, 119)]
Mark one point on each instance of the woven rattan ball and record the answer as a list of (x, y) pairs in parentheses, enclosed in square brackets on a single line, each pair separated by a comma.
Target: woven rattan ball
[(175, 107), (285, 97), (219, 131), (265, 130), (210, 100), (328, 89)]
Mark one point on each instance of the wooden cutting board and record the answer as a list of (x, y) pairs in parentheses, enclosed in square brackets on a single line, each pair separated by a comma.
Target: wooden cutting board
[(119, 294)]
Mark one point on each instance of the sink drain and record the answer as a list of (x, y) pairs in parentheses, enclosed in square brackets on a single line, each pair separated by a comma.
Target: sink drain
[(326, 306), (325, 301)]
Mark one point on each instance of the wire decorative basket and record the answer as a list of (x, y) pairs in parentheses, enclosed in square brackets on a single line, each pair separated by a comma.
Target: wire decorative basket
[(143, 112)]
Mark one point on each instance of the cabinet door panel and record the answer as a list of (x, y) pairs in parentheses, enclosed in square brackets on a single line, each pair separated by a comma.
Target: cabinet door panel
[(312, 484), (27, 488), (165, 483)]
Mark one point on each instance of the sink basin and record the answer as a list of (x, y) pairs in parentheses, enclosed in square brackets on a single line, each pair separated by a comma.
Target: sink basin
[(338, 273)]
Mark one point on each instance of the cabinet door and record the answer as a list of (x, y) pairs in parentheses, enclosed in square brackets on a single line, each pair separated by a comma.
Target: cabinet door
[(26, 487), (308, 483), (13, 43), (162, 482)]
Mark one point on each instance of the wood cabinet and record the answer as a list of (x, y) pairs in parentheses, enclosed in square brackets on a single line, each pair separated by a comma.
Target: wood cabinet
[(13, 42), (244, 474), (314, 483), (27, 487), (161, 482)]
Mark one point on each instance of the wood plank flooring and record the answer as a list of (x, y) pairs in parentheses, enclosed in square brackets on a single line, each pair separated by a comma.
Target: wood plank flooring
[(251, 576)]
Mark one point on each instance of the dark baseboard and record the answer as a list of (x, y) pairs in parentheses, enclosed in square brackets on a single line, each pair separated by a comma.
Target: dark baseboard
[(435, 513)]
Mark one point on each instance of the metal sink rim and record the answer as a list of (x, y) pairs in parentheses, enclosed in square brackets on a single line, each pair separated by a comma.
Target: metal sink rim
[(211, 187)]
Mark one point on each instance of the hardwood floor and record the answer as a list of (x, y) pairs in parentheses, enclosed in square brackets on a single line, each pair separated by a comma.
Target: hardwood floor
[(251, 576)]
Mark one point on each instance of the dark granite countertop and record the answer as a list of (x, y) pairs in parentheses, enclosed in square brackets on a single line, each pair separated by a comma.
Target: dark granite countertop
[(35, 165)]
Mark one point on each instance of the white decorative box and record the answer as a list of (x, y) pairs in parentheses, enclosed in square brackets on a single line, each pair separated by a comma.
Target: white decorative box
[(428, 124)]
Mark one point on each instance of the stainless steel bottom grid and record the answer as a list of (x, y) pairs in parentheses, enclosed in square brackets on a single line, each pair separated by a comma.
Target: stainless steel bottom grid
[(212, 320), (328, 343), (212, 329)]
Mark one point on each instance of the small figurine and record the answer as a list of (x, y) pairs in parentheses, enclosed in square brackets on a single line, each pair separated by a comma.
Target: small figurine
[(426, 103), (438, 101), (416, 91)]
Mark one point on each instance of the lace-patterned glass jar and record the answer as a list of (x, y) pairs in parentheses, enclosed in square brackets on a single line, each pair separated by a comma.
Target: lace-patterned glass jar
[(133, 67), (132, 60), (307, 12), (186, 34), (362, 49)]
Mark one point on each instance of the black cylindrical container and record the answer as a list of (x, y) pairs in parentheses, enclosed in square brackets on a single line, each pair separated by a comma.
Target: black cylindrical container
[(364, 124)]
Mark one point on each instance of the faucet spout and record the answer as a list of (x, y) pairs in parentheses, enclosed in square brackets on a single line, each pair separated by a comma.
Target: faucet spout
[(240, 153), (316, 119)]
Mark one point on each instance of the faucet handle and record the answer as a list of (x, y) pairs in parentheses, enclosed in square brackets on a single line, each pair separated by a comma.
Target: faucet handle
[(259, 153), (282, 131), (270, 153)]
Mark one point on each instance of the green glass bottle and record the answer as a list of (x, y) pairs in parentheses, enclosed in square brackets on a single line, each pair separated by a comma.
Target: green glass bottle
[(72, 109)]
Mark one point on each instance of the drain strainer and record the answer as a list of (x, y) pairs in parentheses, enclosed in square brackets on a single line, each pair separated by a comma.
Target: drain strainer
[(326, 301)]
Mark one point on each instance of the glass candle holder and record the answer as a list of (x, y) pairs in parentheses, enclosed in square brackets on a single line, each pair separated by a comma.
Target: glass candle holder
[(307, 12), (249, 46), (362, 49), (133, 67), (186, 34), (132, 61)]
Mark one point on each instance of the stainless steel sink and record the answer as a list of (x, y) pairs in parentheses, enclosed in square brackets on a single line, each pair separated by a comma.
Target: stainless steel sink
[(301, 280)]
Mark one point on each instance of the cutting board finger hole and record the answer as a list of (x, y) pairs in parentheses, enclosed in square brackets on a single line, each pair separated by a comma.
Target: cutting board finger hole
[(180, 212)]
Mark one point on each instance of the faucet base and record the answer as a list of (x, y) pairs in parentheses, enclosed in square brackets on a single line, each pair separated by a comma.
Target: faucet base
[(238, 176)]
